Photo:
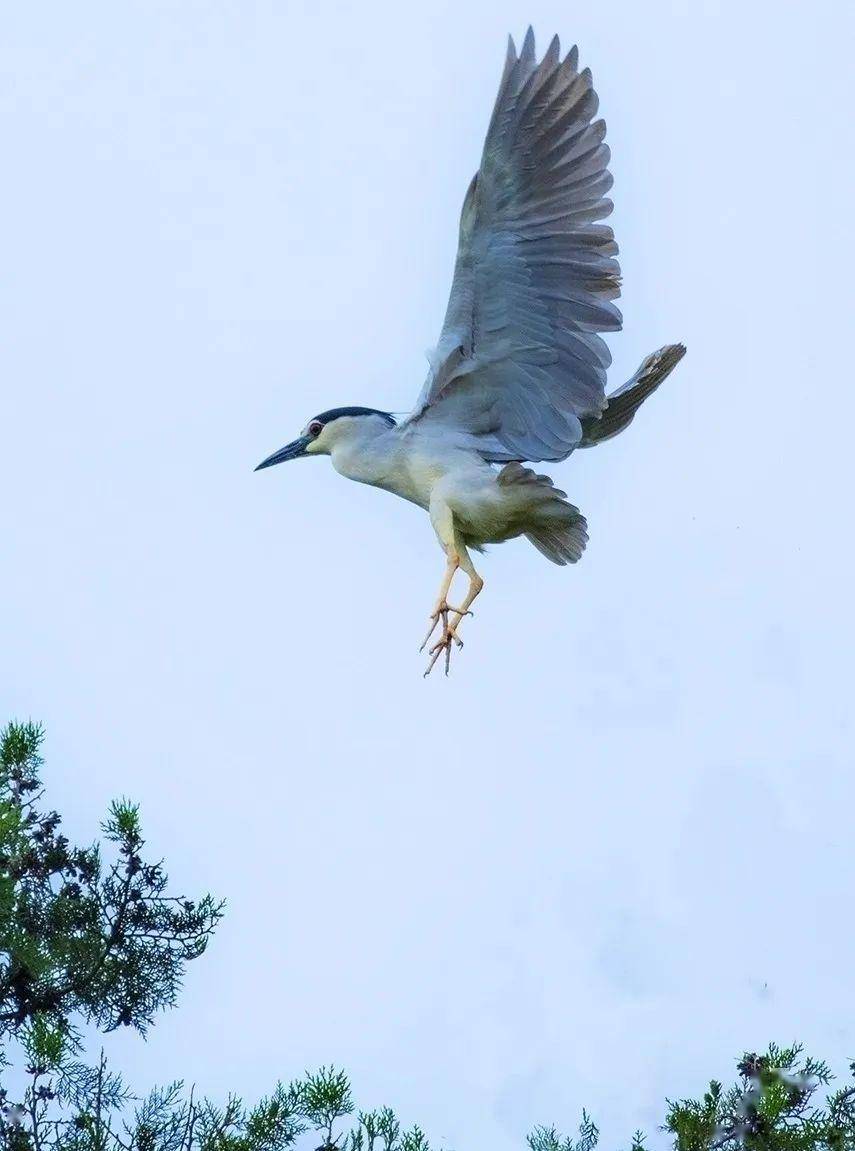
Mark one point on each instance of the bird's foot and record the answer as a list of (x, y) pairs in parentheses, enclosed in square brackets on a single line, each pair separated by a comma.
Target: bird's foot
[(440, 612), (442, 645), (449, 636)]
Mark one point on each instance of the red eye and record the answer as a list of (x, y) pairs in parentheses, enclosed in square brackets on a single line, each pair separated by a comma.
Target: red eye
[(315, 428)]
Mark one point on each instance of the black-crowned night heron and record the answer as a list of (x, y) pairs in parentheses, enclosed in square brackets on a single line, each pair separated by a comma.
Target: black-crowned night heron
[(519, 372)]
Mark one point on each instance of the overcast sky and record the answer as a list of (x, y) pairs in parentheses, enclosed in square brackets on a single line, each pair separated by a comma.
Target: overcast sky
[(614, 849)]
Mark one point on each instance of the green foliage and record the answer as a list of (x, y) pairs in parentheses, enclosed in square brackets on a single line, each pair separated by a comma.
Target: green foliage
[(76, 936), (775, 1106), (105, 943), (72, 1107), (325, 1100), (376, 1127), (548, 1139)]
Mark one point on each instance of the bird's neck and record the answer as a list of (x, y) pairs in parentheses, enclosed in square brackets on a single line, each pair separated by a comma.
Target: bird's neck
[(366, 452)]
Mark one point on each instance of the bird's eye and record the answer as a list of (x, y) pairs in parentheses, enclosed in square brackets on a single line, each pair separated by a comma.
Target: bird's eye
[(315, 428)]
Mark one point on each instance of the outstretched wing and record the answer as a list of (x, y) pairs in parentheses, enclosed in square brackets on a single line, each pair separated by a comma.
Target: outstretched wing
[(519, 362)]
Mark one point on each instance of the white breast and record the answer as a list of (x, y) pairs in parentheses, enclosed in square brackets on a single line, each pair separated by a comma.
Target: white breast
[(399, 461)]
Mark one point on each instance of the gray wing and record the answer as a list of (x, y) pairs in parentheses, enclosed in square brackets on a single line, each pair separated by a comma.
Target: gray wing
[(519, 362)]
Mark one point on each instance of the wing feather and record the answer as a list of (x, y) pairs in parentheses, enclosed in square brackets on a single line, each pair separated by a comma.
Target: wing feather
[(520, 361)]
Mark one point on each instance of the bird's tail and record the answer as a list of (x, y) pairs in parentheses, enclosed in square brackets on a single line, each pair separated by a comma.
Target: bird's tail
[(561, 543), (625, 402), (556, 528)]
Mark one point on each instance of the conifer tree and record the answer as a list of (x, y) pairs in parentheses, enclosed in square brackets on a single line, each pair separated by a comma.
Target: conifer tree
[(92, 936)]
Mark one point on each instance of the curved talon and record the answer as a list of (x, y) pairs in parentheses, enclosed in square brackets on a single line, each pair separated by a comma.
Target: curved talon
[(443, 645)]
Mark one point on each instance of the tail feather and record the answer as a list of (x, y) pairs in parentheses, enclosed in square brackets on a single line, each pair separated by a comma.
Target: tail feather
[(625, 402), (556, 528), (561, 543)]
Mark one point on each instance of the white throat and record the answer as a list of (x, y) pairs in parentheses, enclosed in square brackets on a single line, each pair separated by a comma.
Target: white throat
[(360, 447)]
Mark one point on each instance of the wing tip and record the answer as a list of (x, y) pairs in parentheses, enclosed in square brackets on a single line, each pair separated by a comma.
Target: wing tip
[(552, 55), (674, 352)]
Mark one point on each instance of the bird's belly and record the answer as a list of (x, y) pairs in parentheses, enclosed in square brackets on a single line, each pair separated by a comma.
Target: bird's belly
[(484, 521), (484, 511)]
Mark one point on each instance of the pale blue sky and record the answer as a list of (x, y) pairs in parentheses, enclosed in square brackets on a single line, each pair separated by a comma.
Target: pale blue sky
[(572, 873)]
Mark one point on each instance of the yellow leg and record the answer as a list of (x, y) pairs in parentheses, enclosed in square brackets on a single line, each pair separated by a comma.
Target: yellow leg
[(450, 568), (442, 518), (440, 612), (449, 631), (476, 586)]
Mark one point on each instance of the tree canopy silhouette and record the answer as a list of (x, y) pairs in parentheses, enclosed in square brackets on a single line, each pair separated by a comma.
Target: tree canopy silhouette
[(91, 936)]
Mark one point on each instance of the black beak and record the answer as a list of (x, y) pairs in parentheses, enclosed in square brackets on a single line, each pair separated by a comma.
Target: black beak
[(291, 451)]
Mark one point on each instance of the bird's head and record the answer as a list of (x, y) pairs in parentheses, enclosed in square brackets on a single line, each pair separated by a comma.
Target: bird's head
[(323, 432)]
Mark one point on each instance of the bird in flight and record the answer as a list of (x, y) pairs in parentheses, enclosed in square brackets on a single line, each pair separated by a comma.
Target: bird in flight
[(519, 373)]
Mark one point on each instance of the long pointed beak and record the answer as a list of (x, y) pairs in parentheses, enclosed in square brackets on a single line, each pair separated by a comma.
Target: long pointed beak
[(291, 451)]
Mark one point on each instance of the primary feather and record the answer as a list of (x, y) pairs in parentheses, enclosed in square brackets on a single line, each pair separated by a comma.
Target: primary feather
[(520, 364)]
